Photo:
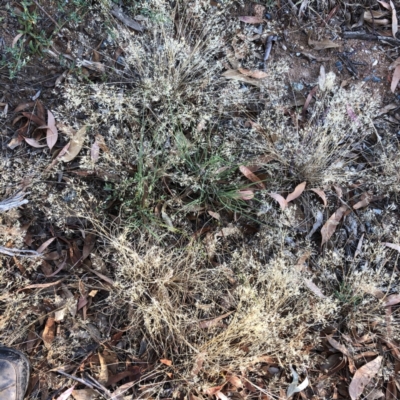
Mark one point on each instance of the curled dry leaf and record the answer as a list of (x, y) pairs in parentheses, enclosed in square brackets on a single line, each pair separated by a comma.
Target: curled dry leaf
[(395, 79), (34, 143), (280, 199), (95, 151), (24, 106), (299, 189), (76, 145), (210, 323), (166, 362), (323, 44), (314, 288), (393, 246), (212, 390), (244, 194), (363, 376), (321, 194), (45, 245), (252, 177), (214, 215), (251, 20), (365, 200), (49, 332), (65, 395), (395, 25), (51, 133), (392, 300), (253, 73), (235, 381), (236, 75), (330, 226)]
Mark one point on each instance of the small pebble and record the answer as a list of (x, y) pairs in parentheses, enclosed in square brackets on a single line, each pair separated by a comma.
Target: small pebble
[(375, 63), (297, 86), (298, 54), (339, 65), (376, 79), (268, 16)]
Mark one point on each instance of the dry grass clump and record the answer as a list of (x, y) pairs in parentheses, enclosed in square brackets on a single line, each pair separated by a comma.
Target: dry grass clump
[(175, 299)]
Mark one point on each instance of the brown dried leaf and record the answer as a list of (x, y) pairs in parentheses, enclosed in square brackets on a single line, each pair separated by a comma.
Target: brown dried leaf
[(198, 364), (395, 79), (95, 151), (252, 177), (41, 113), (76, 145), (49, 332), (23, 106), (393, 246), (88, 246), (103, 376), (166, 362), (364, 202), (213, 390), (323, 44), (210, 323), (314, 288), (65, 395), (221, 396), (395, 25), (392, 300), (236, 75), (363, 376), (34, 118), (321, 194), (330, 226), (84, 394), (45, 245), (299, 189), (41, 285), (336, 345), (245, 194), (117, 12), (280, 199), (51, 133), (34, 143), (385, 5), (257, 74), (214, 215), (251, 20), (235, 381)]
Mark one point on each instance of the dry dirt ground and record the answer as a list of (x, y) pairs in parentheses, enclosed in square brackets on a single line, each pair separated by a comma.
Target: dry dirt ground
[(211, 198)]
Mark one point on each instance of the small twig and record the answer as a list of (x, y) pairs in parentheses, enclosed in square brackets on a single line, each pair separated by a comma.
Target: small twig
[(13, 202), (368, 36), (18, 252), (268, 48), (83, 381), (52, 19)]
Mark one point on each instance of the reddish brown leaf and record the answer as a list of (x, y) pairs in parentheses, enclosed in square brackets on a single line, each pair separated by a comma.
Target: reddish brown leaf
[(251, 20), (296, 192), (45, 245), (24, 106), (76, 145), (252, 177), (392, 300), (395, 26), (166, 362), (280, 199), (15, 40), (321, 194), (51, 133), (34, 143), (363, 376), (309, 98), (212, 390), (88, 246), (41, 285), (393, 246), (395, 79), (336, 345), (257, 74), (49, 332), (365, 200), (245, 194), (235, 381), (214, 215), (41, 113), (210, 323), (95, 151), (34, 118), (330, 226), (314, 288)]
